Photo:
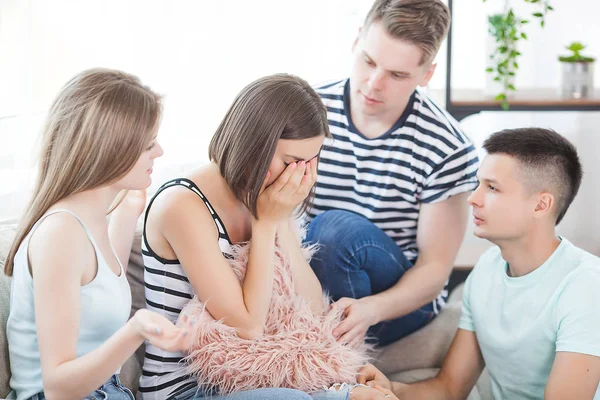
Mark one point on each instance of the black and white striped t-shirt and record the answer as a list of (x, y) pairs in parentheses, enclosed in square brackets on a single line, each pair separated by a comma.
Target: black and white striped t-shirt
[(423, 158), (168, 290)]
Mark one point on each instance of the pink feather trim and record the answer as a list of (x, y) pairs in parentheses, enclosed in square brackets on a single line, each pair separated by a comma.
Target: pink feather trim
[(297, 349)]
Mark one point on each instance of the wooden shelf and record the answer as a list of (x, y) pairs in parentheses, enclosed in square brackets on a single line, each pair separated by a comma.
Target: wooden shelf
[(461, 103), (522, 97)]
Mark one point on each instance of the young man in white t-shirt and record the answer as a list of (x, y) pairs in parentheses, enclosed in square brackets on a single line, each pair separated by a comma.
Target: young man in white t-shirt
[(530, 309)]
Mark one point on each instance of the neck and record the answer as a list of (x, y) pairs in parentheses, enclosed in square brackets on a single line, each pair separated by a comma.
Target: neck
[(96, 202), (526, 254), (374, 125), (221, 189), (235, 215)]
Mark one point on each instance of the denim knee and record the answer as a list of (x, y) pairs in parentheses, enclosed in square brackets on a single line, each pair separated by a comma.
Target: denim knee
[(329, 227)]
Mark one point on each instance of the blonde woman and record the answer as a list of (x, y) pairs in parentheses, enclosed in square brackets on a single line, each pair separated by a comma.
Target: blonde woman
[(68, 329)]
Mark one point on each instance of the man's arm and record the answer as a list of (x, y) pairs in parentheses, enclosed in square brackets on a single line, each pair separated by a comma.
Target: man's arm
[(440, 232), (461, 369), (573, 376), (576, 369)]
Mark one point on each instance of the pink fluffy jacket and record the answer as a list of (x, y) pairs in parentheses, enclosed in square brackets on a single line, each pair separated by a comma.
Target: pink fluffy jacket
[(297, 349)]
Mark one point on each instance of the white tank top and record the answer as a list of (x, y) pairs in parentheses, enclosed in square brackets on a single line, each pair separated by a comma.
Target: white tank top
[(105, 308)]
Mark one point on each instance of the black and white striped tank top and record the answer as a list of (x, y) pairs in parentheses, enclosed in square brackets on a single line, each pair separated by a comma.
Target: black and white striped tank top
[(167, 290)]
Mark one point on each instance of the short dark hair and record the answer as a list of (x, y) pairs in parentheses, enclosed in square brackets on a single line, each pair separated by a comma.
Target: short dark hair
[(274, 107), (551, 162), (424, 23)]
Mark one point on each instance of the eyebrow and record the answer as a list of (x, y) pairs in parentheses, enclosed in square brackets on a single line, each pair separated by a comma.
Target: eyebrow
[(480, 179), (403, 73)]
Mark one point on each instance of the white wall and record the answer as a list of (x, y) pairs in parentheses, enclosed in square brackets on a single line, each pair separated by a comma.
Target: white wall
[(574, 20), (199, 55)]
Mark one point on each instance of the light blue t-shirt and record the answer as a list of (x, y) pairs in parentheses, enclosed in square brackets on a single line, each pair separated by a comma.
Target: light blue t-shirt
[(521, 322)]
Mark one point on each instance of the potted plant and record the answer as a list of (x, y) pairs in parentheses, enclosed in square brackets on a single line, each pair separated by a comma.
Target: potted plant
[(577, 72), (506, 29)]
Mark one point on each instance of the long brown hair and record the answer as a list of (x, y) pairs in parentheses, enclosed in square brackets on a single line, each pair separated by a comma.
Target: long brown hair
[(96, 129), (274, 107)]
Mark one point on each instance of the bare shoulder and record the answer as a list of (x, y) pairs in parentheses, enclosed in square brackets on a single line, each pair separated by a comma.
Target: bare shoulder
[(179, 204), (60, 240)]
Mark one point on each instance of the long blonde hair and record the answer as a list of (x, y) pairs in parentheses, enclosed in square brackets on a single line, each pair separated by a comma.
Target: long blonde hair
[(96, 130)]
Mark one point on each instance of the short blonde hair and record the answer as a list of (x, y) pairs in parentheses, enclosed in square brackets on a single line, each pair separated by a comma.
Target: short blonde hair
[(424, 23)]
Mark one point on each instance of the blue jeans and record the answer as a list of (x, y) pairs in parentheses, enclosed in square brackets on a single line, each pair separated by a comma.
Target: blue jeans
[(269, 394), (357, 259), (111, 390)]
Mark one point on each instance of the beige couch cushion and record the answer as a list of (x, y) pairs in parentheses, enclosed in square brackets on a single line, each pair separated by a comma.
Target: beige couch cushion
[(426, 348)]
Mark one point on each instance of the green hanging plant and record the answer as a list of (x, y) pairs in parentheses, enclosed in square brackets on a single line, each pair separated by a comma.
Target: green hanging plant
[(507, 29), (545, 7)]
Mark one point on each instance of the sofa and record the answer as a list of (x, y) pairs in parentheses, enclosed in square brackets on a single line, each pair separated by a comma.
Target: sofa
[(416, 357)]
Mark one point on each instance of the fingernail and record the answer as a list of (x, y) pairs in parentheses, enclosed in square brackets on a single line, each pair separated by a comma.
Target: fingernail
[(294, 165), (158, 331)]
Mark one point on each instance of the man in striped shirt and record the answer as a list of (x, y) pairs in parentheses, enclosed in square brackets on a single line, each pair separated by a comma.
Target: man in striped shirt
[(390, 206)]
